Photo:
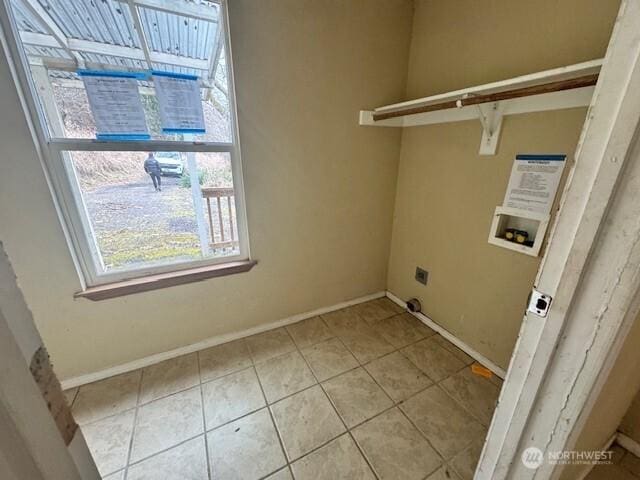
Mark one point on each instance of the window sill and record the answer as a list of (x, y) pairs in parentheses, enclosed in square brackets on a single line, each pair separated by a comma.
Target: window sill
[(164, 280)]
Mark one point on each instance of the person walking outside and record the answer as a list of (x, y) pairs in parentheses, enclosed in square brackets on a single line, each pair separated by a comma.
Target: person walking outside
[(152, 167)]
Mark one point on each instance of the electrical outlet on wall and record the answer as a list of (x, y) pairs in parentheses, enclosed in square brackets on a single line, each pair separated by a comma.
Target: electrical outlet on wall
[(422, 275)]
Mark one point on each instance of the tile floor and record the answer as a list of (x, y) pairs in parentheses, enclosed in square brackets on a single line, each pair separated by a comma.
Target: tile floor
[(625, 466), (361, 393)]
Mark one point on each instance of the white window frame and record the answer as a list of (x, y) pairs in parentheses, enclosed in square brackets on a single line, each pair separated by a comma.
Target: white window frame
[(66, 190)]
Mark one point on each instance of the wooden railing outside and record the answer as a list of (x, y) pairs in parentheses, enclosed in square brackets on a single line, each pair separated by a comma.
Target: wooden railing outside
[(222, 228)]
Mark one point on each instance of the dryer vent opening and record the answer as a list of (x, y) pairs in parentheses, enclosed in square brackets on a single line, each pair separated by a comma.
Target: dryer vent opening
[(414, 306)]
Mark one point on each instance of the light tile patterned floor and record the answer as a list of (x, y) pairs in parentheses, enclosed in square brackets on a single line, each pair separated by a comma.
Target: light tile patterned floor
[(361, 393)]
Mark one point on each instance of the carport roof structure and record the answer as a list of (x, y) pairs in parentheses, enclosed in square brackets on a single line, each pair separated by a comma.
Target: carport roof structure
[(181, 36)]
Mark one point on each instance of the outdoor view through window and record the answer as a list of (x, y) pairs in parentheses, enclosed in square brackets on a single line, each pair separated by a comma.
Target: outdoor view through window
[(133, 221), (159, 205)]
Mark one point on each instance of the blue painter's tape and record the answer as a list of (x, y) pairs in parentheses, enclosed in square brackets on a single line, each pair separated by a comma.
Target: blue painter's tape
[(184, 76), (549, 157), (123, 136), (112, 73), (184, 130)]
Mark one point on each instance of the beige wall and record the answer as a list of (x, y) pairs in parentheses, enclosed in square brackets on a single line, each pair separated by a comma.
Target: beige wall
[(630, 424), (613, 401), (446, 192), (320, 189)]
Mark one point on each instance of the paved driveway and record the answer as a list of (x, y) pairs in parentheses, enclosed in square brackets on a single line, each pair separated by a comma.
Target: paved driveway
[(133, 223)]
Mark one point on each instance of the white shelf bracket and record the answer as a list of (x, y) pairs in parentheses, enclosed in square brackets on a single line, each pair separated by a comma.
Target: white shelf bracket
[(490, 116)]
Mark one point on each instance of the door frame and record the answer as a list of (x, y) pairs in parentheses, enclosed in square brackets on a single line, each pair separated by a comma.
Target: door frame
[(591, 265), (31, 443)]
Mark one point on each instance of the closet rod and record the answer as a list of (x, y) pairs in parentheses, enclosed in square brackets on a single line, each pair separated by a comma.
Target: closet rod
[(579, 82)]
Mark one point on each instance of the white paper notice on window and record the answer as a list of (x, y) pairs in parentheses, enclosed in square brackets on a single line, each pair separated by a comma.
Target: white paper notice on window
[(534, 181), (179, 101), (115, 104)]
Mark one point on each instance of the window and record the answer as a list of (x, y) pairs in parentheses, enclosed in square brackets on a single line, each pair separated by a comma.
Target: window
[(162, 200)]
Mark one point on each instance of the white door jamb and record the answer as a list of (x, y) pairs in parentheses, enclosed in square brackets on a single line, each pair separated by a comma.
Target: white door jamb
[(591, 273)]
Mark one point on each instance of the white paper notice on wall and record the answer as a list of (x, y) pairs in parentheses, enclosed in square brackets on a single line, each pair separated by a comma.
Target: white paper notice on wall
[(179, 101), (534, 181), (115, 104)]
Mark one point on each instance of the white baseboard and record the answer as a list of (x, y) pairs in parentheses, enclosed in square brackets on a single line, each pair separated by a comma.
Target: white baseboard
[(481, 359), (628, 443), (209, 342), (606, 446)]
